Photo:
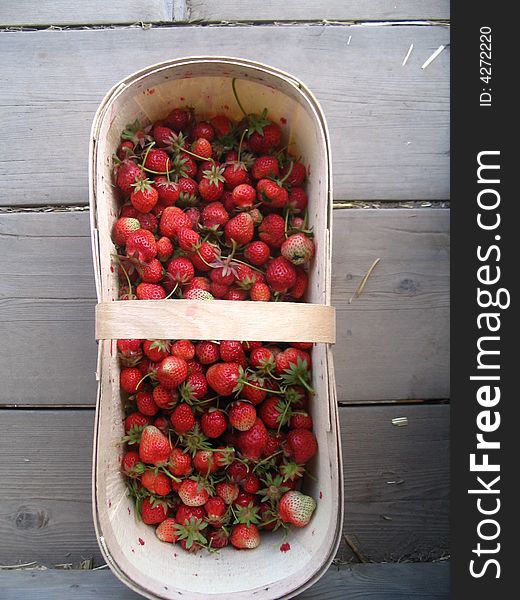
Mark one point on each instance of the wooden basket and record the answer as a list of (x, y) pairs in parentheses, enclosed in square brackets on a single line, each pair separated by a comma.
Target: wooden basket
[(131, 548)]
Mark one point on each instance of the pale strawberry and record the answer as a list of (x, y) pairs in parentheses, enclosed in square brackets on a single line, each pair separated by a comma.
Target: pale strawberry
[(123, 228), (296, 508), (245, 536), (167, 530), (193, 493), (242, 415), (298, 248)]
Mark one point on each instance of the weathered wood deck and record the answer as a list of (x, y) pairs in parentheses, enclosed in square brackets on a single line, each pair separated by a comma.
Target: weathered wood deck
[(390, 132)]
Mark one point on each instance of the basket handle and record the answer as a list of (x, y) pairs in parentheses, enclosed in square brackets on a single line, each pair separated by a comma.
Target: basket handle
[(220, 320)]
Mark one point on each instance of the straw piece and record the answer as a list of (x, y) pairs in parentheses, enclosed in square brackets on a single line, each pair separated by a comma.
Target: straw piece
[(433, 56), (363, 282), (400, 421), (407, 55), (353, 546)]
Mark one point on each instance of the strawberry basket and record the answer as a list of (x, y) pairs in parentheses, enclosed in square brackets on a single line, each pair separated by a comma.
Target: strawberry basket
[(130, 547)]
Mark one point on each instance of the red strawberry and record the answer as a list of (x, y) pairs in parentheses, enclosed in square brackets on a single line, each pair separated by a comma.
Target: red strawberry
[(215, 509), (252, 442), (129, 347), (214, 215), (153, 512), (204, 463), (223, 377), (179, 463), (298, 248), (183, 349), (235, 174), (169, 191), (185, 513), (231, 351), (202, 148), (146, 404), (141, 244), (260, 292), (162, 424), (207, 352), (296, 508), (213, 423), (299, 288), (221, 124), (274, 412), (179, 119), (182, 418), (162, 135), (167, 530), (172, 372), (194, 388), (123, 228), (158, 161), (181, 269), (240, 229), (172, 219), (280, 274), (125, 150), (227, 490), (129, 379), (218, 538), (147, 221), (188, 239), (205, 130), (136, 421), (272, 230), (165, 399), (211, 185), (235, 293), (242, 415), (244, 196), (301, 445), (205, 256), (297, 200), (271, 194), (131, 465), (264, 167), (300, 420), (154, 447), (245, 536), (151, 272), (193, 493), (270, 138), (150, 291), (156, 350), (237, 472), (156, 483), (127, 174), (257, 253), (144, 196), (164, 248)]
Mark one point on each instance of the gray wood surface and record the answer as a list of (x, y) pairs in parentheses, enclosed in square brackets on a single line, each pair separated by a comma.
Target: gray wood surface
[(92, 12), (45, 511), (355, 582), (307, 10), (389, 124), (392, 342)]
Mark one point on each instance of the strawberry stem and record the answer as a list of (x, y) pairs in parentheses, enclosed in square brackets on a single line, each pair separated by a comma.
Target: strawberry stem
[(288, 173), (233, 85), (240, 144), (117, 259), (172, 292), (244, 382)]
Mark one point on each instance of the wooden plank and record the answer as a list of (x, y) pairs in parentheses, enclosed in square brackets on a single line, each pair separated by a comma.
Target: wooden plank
[(389, 124), (45, 512), (392, 341), (308, 10), (93, 12), (426, 581)]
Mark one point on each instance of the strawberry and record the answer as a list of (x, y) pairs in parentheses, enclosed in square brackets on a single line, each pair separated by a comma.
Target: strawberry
[(213, 423), (264, 167), (301, 445), (156, 350), (153, 512), (151, 272), (298, 200), (165, 399), (188, 239), (202, 148), (164, 248), (298, 248), (244, 196), (185, 513), (205, 130), (251, 484), (207, 352), (193, 493), (123, 228), (280, 274), (168, 191), (211, 185), (214, 215), (125, 150), (146, 404), (260, 292), (194, 388), (251, 443), (245, 536), (223, 377), (300, 420), (221, 124), (144, 195), (179, 463), (218, 538), (274, 412), (242, 415), (127, 174), (141, 244), (235, 293), (296, 508), (267, 140), (257, 253), (172, 219), (231, 351), (203, 462), (300, 286), (198, 294), (205, 256), (157, 484), (181, 270), (136, 421), (154, 447), (182, 418), (183, 349), (237, 472), (234, 174), (215, 509), (167, 530), (271, 194), (150, 291), (162, 423), (179, 119), (222, 276), (157, 161), (131, 465), (129, 379), (294, 173), (272, 230), (227, 490), (162, 135), (172, 372), (240, 229)]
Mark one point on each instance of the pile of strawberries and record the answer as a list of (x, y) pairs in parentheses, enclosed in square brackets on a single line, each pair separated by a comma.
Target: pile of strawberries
[(212, 209), (217, 438)]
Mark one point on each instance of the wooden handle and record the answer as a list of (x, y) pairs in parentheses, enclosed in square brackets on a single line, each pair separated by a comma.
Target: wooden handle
[(216, 320)]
